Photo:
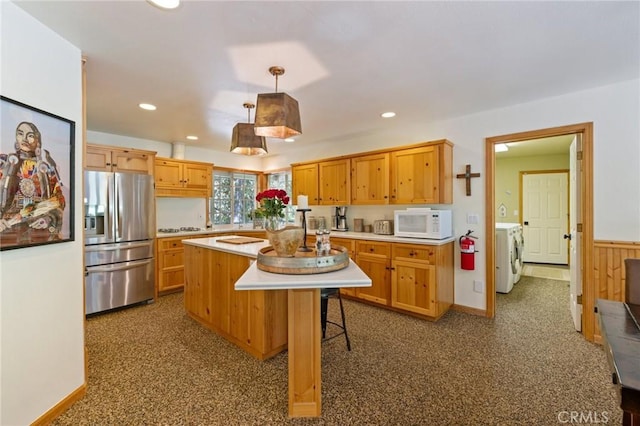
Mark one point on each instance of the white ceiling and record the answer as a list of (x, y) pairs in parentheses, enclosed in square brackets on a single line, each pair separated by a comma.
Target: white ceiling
[(346, 62)]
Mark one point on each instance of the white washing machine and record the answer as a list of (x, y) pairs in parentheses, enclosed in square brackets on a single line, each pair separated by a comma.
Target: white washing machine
[(507, 264)]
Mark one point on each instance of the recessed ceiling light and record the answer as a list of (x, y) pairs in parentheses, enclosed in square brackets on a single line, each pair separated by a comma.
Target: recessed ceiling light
[(165, 4), (501, 147), (289, 140), (192, 138), (388, 114), (148, 107)]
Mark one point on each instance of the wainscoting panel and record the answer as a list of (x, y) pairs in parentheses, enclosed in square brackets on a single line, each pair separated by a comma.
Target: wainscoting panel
[(608, 271)]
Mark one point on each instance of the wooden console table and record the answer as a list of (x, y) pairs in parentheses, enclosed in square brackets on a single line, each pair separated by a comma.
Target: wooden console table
[(621, 339)]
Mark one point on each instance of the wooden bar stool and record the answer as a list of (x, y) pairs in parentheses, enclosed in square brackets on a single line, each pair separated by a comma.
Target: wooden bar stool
[(334, 293)]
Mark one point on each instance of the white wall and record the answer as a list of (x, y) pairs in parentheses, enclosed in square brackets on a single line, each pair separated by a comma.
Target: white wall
[(41, 300)]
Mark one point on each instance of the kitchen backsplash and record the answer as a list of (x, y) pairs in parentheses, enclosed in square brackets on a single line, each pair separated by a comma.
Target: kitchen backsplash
[(178, 212)]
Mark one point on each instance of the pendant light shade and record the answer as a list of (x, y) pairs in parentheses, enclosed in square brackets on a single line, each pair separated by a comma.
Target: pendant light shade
[(277, 114), (244, 141)]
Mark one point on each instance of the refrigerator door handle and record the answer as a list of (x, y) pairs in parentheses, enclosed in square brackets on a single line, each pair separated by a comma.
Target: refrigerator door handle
[(116, 210), (109, 217), (118, 266), (119, 246)]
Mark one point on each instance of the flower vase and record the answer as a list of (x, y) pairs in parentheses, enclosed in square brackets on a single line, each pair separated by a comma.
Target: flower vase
[(285, 240)]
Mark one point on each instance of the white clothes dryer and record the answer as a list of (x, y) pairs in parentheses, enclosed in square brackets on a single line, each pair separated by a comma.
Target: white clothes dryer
[(519, 249), (506, 256)]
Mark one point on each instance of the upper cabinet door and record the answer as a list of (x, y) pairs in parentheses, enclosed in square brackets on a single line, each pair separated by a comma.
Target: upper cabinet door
[(168, 174), (98, 159), (414, 176), (335, 182), (304, 179), (132, 161), (370, 179), (197, 176)]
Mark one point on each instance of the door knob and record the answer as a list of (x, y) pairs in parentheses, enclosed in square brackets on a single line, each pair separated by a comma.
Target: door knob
[(567, 237)]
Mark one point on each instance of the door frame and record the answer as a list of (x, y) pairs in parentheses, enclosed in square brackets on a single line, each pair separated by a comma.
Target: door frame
[(586, 207)]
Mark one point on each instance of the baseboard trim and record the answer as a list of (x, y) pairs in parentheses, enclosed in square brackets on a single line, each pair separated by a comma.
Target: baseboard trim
[(61, 407), (468, 310)]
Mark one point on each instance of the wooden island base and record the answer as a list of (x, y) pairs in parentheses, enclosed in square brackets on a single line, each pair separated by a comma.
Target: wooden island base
[(255, 320)]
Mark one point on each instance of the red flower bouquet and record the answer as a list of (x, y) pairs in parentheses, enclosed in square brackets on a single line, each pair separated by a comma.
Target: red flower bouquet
[(272, 202)]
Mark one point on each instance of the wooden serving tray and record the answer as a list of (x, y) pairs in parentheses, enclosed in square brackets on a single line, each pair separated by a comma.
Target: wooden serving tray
[(240, 240), (303, 262)]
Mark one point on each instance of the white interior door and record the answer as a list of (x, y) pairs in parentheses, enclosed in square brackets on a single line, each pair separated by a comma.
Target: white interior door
[(575, 236), (545, 214)]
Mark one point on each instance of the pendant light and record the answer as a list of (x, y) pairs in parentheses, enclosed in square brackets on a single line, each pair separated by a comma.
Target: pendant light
[(244, 140), (277, 114)]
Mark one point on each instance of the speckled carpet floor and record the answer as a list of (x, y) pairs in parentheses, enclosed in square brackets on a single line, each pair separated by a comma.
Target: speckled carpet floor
[(153, 365)]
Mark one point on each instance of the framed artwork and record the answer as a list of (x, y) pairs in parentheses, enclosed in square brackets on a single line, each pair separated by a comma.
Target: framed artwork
[(36, 176)]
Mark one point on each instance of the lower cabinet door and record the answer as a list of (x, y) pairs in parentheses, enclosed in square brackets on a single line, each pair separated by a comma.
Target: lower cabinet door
[(413, 287), (376, 268)]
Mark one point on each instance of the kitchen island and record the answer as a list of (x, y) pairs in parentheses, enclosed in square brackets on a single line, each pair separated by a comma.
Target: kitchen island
[(254, 321), (213, 264)]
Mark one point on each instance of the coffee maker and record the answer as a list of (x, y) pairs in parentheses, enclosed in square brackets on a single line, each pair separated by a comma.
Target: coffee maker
[(341, 218)]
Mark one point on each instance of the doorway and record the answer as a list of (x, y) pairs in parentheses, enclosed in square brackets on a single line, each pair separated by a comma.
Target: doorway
[(585, 207)]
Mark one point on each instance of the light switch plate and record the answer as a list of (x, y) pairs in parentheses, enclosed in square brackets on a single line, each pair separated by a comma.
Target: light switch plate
[(473, 218)]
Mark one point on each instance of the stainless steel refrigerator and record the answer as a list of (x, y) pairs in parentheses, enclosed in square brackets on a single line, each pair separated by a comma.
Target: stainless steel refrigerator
[(119, 236)]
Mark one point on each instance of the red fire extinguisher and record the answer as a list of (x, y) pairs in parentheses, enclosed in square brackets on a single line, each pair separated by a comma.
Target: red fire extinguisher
[(467, 251)]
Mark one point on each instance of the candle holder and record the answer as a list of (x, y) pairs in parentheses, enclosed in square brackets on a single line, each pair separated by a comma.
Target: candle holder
[(304, 247)]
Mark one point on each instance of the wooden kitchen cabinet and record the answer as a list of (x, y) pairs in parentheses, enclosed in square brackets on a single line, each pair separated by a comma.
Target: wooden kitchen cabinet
[(169, 265), (370, 179), (304, 180), (422, 175), (422, 279), (170, 259), (374, 258), (179, 178), (105, 158), (334, 179)]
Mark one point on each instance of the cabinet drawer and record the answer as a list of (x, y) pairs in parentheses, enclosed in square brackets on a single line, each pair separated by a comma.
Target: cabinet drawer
[(172, 259), (417, 253), (167, 243), (374, 247)]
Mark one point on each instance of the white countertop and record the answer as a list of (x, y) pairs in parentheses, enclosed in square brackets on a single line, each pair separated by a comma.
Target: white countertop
[(217, 230), (336, 234), (217, 243), (388, 238), (256, 279)]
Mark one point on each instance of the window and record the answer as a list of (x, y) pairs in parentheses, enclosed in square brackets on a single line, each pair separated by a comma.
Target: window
[(234, 195), (282, 180)]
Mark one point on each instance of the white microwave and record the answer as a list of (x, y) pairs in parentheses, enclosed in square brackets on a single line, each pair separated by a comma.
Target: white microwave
[(423, 223)]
